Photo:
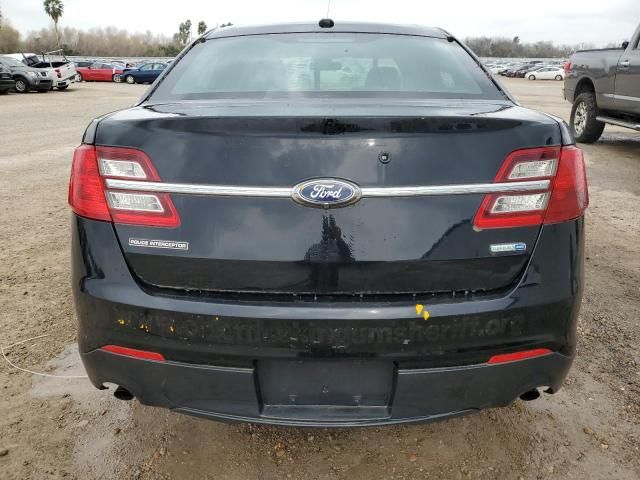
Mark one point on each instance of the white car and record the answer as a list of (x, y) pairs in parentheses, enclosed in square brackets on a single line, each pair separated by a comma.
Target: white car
[(546, 73), (497, 68)]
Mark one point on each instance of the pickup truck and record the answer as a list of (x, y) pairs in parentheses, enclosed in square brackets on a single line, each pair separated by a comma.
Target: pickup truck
[(604, 87), (25, 78), (60, 70)]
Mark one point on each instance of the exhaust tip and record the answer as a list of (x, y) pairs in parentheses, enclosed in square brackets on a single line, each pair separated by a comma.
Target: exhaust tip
[(530, 395), (122, 394)]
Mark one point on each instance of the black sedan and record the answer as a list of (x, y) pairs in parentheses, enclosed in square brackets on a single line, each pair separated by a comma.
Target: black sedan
[(327, 225), (146, 73)]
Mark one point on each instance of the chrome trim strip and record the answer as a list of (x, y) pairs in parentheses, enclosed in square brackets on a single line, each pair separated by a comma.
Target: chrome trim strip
[(200, 189), (507, 187), (367, 192)]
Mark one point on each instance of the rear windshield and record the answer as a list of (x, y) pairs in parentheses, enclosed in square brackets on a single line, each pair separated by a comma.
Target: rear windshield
[(326, 65)]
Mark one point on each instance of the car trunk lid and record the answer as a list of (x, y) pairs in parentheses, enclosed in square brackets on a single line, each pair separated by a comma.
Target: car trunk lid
[(382, 244)]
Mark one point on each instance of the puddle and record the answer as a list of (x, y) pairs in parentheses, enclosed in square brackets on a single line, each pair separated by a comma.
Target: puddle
[(67, 363)]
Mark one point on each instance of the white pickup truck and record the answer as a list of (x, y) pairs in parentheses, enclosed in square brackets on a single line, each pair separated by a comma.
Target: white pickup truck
[(53, 66)]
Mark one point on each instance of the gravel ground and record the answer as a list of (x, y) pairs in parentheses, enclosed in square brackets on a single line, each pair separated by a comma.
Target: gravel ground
[(63, 428)]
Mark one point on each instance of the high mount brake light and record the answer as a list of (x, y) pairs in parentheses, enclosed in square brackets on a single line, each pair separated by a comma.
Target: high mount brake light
[(89, 198), (566, 197)]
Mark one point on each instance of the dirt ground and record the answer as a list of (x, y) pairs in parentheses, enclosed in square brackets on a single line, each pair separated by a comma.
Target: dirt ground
[(64, 428)]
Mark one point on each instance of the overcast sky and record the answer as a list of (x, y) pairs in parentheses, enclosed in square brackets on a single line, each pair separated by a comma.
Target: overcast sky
[(563, 21)]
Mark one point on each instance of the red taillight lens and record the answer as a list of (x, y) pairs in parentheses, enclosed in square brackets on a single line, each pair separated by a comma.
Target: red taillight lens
[(570, 195), (566, 197), (512, 357), (133, 353), (58, 73), (128, 207), (567, 67), (86, 192)]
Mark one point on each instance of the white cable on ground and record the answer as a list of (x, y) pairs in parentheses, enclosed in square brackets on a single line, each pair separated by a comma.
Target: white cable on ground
[(31, 371)]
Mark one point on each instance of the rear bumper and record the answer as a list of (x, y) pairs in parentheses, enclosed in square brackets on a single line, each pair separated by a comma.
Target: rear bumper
[(215, 347), (65, 82), (420, 395), (44, 85)]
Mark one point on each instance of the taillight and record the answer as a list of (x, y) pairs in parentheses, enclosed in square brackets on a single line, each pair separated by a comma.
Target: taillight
[(570, 194), (565, 198), (567, 66), (58, 73), (88, 196), (86, 191)]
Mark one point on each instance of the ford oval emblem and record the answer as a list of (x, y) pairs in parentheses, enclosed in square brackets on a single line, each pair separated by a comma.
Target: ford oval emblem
[(326, 193)]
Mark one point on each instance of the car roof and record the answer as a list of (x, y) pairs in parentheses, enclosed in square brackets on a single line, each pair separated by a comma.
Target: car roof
[(339, 27)]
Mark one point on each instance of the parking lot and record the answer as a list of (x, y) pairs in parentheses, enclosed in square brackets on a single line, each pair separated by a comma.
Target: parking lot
[(55, 427)]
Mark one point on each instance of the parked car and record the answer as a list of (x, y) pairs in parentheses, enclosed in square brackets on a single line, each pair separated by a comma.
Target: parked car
[(513, 68), (520, 72), (83, 63), (513, 71), (546, 73), (495, 69), (604, 87), (145, 73), (26, 78), (58, 68), (100, 72), (6, 80), (262, 238)]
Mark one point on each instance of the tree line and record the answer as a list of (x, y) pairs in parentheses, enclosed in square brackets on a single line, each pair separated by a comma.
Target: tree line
[(114, 42), (102, 42), (513, 48), (111, 41)]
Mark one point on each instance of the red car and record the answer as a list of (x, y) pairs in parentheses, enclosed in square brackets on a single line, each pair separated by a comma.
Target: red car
[(100, 72)]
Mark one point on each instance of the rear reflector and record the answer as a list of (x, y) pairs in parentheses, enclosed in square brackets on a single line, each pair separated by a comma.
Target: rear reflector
[(88, 198), (512, 357), (133, 353), (565, 199)]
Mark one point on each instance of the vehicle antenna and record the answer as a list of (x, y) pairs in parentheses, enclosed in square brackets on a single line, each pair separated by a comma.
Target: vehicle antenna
[(326, 22)]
